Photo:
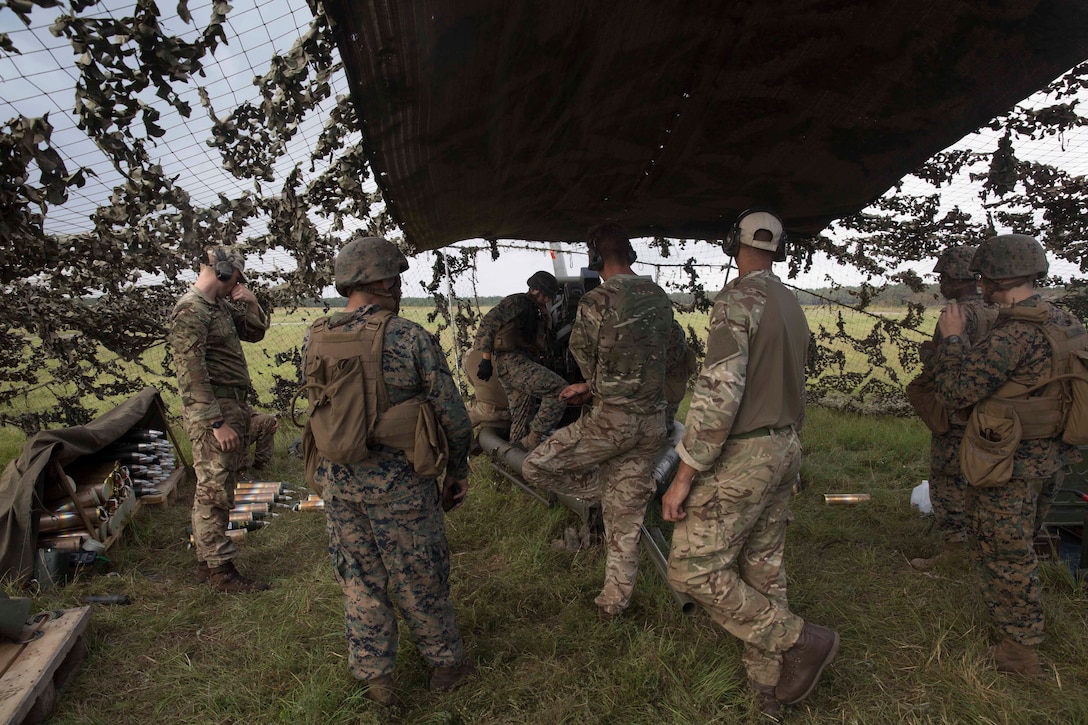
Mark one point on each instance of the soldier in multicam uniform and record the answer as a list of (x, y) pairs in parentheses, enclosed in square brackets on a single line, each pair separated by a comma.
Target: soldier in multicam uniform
[(387, 533), (618, 340), (739, 457), (207, 327), (1030, 343), (514, 334), (680, 364), (947, 486)]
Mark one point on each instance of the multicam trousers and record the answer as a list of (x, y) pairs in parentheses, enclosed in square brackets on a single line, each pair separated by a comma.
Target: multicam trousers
[(216, 473), (394, 554), (1004, 522), (532, 391), (607, 455), (727, 552)]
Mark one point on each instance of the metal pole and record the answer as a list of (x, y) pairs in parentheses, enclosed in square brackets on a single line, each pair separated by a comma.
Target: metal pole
[(453, 322)]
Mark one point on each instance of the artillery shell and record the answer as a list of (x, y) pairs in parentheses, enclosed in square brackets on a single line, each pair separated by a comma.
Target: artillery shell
[(845, 499)]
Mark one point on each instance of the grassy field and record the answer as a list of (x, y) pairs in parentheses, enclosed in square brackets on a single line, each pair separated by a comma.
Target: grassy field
[(912, 643), (273, 356)]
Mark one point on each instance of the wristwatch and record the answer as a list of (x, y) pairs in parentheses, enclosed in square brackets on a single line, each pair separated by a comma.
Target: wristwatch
[(953, 340), (218, 424)]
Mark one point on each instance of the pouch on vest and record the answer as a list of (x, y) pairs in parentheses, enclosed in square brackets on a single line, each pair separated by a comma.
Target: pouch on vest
[(989, 445), (413, 427), (1075, 432), (335, 397), (432, 450), (922, 395)]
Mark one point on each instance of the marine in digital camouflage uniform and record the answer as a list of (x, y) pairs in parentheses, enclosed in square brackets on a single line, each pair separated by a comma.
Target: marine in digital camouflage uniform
[(607, 455), (947, 486), (262, 436), (519, 326), (387, 535), (207, 327), (739, 457), (1004, 517)]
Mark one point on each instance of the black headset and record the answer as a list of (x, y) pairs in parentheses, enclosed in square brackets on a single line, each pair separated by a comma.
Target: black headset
[(596, 261), (732, 241), (224, 268)]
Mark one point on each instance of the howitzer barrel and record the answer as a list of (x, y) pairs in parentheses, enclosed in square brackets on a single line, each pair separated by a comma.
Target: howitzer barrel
[(512, 457)]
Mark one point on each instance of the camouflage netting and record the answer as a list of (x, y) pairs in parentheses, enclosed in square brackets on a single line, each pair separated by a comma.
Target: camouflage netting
[(82, 304)]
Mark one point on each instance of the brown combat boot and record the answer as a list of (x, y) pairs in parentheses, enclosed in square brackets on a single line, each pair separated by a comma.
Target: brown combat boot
[(530, 441), (766, 700), (803, 663), (202, 573), (1016, 659), (447, 678), (382, 691), (226, 578), (950, 549)]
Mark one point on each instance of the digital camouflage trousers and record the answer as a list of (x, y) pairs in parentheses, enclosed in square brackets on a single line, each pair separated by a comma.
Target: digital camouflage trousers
[(389, 557)]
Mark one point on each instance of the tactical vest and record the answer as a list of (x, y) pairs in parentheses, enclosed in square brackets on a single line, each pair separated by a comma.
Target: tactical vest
[(349, 405), (1046, 415)]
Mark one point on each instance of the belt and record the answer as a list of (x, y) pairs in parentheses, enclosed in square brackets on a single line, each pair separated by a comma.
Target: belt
[(759, 433), (225, 391)]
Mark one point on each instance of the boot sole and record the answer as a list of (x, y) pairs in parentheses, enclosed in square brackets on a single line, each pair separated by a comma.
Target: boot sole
[(831, 654)]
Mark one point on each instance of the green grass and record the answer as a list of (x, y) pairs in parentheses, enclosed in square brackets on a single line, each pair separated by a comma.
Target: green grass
[(288, 328), (911, 653)]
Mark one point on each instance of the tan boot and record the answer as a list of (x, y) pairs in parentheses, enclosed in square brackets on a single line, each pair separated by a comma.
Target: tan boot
[(803, 663), (382, 691), (447, 678), (530, 441), (1016, 659), (226, 578), (950, 550)]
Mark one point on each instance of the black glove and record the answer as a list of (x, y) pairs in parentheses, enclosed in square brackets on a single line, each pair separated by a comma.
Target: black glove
[(485, 370)]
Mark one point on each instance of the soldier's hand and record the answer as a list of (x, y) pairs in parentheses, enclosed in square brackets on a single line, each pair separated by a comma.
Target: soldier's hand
[(485, 370), (576, 394), (952, 321), (227, 438), (454, 491), (672, 503), (241, 293)]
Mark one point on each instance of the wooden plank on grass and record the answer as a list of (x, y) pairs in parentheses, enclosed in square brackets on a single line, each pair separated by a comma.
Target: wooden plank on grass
[(36, 665)]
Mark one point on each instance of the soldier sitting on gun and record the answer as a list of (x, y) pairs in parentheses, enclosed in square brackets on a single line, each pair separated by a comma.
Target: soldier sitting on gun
[(513, 339)]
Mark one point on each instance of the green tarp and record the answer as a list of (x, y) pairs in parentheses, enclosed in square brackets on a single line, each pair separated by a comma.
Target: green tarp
[(23, 476), (532, 120)]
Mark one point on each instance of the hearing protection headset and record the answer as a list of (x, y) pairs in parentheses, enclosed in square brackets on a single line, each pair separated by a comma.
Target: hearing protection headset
[(224, 268), (596, 261)]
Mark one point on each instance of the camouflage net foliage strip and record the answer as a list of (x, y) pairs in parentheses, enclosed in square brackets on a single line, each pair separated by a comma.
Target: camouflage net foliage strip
[(78, 316)]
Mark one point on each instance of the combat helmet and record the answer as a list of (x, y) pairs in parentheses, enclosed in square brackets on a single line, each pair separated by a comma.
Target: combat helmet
[(367, 259), (1008, 256), (955, 262), (545, 282)]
